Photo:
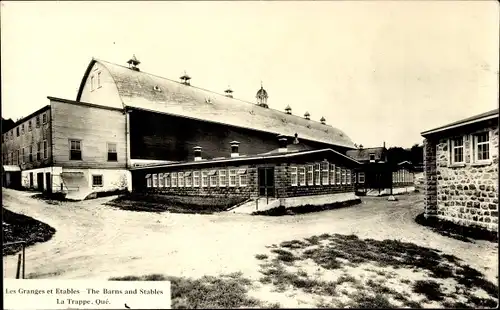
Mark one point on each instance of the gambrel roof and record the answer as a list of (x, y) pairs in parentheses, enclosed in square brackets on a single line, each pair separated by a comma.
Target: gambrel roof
[(146, 91)]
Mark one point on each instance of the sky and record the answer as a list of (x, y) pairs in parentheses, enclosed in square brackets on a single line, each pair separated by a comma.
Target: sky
[(381, 71)]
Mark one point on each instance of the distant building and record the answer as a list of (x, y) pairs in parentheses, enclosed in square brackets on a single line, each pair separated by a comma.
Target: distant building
[(461, 171), (377, 177)]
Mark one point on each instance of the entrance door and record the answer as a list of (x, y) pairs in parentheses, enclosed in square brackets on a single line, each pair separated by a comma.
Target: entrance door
[(39, 181), (266, 181), (31, 179), (48, 181)]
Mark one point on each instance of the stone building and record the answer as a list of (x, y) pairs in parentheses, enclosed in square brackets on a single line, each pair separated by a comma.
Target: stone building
[(461, 171)]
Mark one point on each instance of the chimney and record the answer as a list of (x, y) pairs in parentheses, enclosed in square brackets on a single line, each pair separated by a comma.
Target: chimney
[(322, 120), (288, 110), (197, 153), (283, 144), (234, 149), (384, 144), (307, 115)]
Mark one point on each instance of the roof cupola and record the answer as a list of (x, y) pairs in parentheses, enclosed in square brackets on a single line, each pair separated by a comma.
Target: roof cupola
[(133, 63), (262, 97)]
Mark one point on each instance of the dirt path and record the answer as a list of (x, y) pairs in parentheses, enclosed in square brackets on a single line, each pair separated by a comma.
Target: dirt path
[(96, 241)]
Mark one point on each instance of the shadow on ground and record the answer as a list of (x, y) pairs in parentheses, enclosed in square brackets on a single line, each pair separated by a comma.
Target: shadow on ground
[(350, 272)]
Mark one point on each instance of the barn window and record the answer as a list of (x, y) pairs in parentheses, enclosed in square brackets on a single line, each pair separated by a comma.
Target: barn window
[(294, 176), (481, 151), (148, 180), (232, 177), (37, 121), (188, 179), (166, 179), (155, 180), (196, 178), (44, 118), (39, 151), (31, 153), (361, 177), (302, 176), (75, 150), (317, 174), (213, 178), (324, 173), (45, 149), (332, 174), (222, 178), (204, 178), (349, 178), (180, 179), (310, 169), (17, 131), (457, 150), (173, 177), (97, 180), (29, 125), (92, 83), (112, 154), (338, 175), (243, 177), (161, 181), (22, 129), (98, 79)]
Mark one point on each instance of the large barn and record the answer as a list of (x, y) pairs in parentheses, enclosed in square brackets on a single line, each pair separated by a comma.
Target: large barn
[(125, 118)]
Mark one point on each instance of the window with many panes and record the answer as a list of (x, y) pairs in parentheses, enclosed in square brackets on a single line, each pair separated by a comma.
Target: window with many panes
[(98, 79), (112, 153), (196, 178), (161, 181), (39, 151), (222, 178), (17, 131), (361, 177), (481, 150), (44, 118), (213, 179), (180, 179), (29, 125), (155, 180), (31, 153), (45, 149), (349, 179), (294, 176), (302, 176), (310, 172), (173, 177), (337, 175), (344, 176), (188, 179), (204, 178), (22, 129), (38, 121), (325, 173), (97, 180), (243, 177), (317, 174), (148, 180), (75, 150), (332, 174), (166, 176), (232, 177), (457, 150)]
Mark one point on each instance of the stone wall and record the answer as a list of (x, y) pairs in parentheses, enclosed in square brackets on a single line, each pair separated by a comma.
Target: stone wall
[(465, 194)]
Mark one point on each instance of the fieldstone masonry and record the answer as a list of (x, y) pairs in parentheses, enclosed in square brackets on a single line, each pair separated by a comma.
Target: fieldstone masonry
[(465, 194)]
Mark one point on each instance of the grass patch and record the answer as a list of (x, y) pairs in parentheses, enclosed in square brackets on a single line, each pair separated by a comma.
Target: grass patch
[(281, 210), (455, 231), (174, 204), (341, 251), (18, 227), (208, 292)]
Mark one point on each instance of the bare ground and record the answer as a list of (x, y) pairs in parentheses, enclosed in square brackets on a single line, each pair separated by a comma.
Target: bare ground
[(101, 242)]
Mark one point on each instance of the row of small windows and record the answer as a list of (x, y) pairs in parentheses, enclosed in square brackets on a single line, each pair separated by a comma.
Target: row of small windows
[(402, 176), (75, 150), (197, 178), (480, 148), (20, 130), (95, 81), (322, 173), (25, 154)]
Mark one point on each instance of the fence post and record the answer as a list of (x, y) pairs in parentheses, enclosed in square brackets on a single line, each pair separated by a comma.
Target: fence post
[(24, 258), (18, 266)]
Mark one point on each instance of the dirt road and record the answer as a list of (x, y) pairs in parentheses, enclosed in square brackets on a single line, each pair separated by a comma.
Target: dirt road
[(97, 241)]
